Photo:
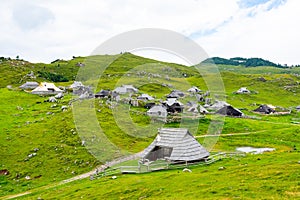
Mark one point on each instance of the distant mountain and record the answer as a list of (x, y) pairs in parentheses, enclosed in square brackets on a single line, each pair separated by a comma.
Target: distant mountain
[(247, 62)]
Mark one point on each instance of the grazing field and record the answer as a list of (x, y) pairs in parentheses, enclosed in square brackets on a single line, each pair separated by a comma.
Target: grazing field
[(40, 144)]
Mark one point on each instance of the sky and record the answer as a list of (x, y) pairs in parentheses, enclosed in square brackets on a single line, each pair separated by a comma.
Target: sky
[(43, 31)]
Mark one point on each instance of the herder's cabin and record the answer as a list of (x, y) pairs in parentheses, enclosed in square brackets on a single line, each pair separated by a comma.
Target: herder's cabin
[(29, 85), (103, 94), (230, 111), (125, 89), (46, 89), (176, 94), (265, 109), (173, 105), (175, 145), (158, 111), (194, 89), (76, 84), (218, 105), (243, 90), (145, 97)]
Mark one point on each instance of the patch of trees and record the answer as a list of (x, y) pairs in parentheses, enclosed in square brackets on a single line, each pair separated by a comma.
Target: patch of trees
[(53, 77), (4, 59), (247, 62)]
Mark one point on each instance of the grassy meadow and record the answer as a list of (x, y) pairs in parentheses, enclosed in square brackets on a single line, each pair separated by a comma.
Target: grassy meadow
[(31, 125)]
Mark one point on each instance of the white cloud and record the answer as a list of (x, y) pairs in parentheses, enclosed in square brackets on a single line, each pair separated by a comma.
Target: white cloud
[(269, 34), (223, 28), (29, 17)]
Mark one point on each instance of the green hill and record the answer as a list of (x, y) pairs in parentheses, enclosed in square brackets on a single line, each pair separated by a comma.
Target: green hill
[(40, 141)]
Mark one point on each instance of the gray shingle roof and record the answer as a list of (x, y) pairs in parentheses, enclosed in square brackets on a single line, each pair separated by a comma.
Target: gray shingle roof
[(185, 146), (29, 85)]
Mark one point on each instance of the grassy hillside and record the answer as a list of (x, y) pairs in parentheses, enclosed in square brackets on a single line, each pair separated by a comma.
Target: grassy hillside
[(268, 176), (26, 128), (29, 125)]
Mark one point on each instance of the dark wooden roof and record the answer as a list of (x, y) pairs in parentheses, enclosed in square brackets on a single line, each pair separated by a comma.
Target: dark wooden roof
[(184, 146)]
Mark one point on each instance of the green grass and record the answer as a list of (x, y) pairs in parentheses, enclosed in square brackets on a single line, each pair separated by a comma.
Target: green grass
[(60, 152), (268, 176), (276, 179)]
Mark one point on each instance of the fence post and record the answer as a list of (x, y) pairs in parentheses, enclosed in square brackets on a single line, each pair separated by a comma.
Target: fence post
[(167, 164)]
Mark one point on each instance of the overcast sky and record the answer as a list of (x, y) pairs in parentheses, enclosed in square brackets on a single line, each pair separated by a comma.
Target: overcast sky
[(42, 31)]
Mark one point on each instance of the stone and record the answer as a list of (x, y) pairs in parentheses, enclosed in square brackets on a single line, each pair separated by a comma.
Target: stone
[(187, 170)]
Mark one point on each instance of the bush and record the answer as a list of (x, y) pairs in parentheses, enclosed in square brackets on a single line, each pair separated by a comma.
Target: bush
[(53, 77)]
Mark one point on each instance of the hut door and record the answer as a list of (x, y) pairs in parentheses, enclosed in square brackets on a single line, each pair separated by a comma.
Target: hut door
[(159, 153)]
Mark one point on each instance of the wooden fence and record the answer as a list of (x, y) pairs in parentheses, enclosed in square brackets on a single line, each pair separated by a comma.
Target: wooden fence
[(165, 165)]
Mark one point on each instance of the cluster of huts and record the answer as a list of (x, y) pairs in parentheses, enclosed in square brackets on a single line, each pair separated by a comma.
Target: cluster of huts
[(158, 109), (173, 144), (172, 105)]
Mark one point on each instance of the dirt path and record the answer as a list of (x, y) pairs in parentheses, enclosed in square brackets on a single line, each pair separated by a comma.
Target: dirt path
[(116, 161), (229, 134), (75, 178), (81, 176), (232, 134)]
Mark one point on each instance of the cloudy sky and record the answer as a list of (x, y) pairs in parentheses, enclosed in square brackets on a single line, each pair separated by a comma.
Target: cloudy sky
[(43, 31)]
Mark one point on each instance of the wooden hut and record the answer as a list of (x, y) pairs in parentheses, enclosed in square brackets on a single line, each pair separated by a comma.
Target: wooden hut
[(175, 144), (230, 111)]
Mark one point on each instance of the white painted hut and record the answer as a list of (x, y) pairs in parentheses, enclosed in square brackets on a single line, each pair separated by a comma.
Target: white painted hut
[(145, 97), (218, 105), (46, 89), (243, 90), (125, 89), (158, 111), (194, 89), (76, 84)]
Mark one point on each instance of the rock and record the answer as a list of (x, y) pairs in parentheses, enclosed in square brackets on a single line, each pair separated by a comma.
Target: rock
[(31, 75), (9, 87), (114, 177), (19, 108), (59, 95), (52, 99), (79, 64), (63, 108), (222, 168), (49, 113), (27, 177), (91, 177), (4, 172), (262, 79), (36, 149), (187, 170)]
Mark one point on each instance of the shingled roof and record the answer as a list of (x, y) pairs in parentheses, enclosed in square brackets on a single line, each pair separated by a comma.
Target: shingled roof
[(175, 144)]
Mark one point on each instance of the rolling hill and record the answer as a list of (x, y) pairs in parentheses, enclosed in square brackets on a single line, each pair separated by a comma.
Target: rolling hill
[(41, 144)]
